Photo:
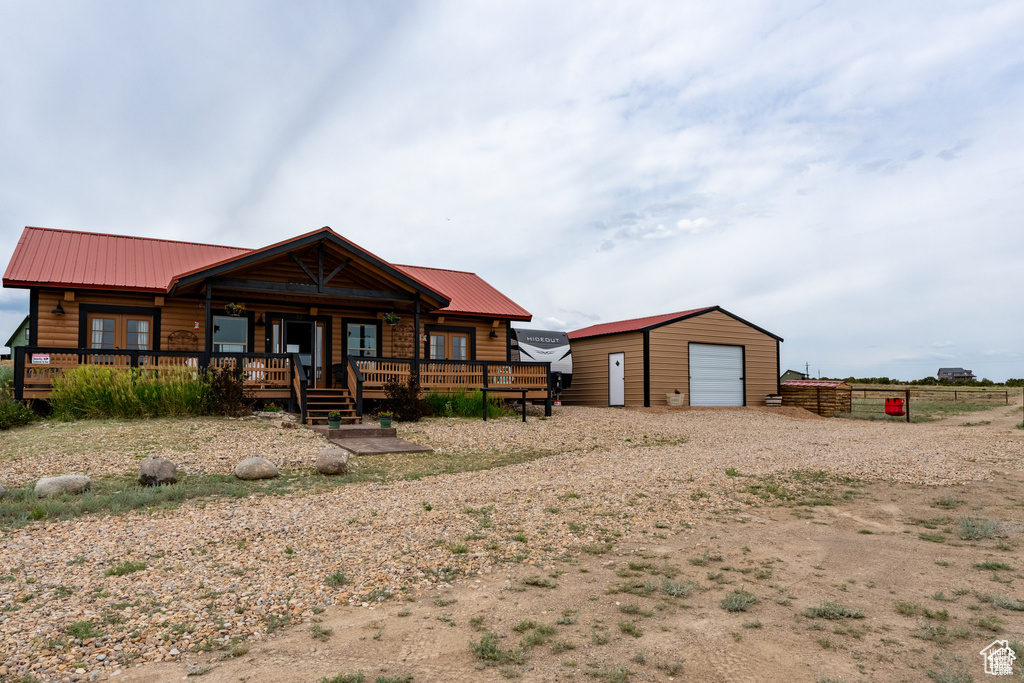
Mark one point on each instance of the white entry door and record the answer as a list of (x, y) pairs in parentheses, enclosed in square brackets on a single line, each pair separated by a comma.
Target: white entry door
[(716, 375), (616, 379)]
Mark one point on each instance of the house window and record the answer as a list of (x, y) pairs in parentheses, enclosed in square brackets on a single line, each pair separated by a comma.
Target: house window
[(449, 346), (361, 339), (230, 334), (120, 331)]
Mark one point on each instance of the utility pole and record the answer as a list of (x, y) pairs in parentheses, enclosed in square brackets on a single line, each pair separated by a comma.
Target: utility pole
[(807, 370)]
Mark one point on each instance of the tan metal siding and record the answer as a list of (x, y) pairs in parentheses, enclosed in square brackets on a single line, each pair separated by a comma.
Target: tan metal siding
[(670, 355), (590, 369)]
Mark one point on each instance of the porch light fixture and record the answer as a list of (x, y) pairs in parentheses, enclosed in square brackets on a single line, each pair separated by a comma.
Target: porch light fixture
[(59, 310), (494, 333)]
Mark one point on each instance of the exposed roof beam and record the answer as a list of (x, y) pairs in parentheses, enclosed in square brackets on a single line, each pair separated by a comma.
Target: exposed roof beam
[(340, 292)]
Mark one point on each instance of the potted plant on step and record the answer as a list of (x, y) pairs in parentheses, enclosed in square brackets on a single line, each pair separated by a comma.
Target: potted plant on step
[(333, 419), (385, 419)]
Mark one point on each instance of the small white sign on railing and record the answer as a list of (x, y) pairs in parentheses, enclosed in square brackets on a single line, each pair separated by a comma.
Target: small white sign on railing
[(40, 359)]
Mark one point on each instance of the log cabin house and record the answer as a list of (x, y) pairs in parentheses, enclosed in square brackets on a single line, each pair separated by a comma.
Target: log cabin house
[(314, 320)]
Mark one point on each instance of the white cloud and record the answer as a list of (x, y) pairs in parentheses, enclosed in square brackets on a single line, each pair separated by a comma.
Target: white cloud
[(814, 169)]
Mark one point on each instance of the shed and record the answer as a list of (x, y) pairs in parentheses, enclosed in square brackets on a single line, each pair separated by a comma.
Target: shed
[(708, 355), (822, 396)]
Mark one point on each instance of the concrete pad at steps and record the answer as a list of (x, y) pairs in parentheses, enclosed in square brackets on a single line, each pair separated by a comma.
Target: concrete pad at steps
[(370, 431), (380, 445)]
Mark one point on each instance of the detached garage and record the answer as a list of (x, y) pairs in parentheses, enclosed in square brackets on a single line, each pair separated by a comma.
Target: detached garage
[(708, 356)]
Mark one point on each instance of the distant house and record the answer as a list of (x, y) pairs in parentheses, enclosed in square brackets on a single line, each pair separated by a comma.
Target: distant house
[(792, 374), (20, 336), (955, 374)]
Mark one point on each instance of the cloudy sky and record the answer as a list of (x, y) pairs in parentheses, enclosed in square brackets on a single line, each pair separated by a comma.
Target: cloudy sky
[(849, 176)]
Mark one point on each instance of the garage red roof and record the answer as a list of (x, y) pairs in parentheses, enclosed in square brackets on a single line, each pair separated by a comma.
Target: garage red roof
[(634, 324), (64, 258), (467, 292)]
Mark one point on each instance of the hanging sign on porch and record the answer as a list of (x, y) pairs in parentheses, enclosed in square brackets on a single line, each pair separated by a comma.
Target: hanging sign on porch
[(40, 359)]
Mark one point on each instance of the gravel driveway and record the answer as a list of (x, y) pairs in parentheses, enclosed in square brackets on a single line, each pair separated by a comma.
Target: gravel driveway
[(220, 572)]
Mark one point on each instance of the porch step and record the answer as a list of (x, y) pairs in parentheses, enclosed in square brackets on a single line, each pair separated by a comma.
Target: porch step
[(321, 402)]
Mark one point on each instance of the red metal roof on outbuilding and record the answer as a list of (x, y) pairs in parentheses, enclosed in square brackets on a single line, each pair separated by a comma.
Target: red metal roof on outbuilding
[(825, 383), (65, 258), (467, 292), (633, 325)]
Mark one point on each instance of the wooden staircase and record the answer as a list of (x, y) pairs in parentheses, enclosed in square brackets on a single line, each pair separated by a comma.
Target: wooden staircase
[(320, 402)]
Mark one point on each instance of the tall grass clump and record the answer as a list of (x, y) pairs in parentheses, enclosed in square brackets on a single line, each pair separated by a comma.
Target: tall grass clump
[(101, 392), (465, 404)]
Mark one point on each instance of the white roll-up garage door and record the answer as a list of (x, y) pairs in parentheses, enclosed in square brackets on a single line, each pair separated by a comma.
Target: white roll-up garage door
[(716, 375)]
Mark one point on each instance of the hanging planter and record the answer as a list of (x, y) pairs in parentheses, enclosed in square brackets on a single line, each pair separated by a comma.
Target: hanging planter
[(234, 310), (391, 318)]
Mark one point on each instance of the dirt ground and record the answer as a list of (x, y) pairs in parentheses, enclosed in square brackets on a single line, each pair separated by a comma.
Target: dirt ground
[(900, 594)]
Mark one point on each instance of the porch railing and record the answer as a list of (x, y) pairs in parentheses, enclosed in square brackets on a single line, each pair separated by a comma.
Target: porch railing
[(265, 375), (368, 375)]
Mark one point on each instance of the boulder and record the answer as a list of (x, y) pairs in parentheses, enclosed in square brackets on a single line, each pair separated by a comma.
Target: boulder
[(157, 472), (69, 483), (332, 460), (256, 468)]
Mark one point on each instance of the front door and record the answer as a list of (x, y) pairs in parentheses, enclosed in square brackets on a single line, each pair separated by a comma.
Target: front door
[(298, 338), (616, 379)]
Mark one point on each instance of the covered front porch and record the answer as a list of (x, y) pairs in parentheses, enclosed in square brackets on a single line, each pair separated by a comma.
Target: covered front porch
[(282, 376)]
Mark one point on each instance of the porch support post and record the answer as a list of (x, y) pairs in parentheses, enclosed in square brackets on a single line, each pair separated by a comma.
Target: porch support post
[(416, 340), (208, 329)]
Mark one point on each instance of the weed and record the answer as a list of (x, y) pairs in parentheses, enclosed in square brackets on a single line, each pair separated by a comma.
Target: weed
[(907, 608), (488, 652), (992, 566), (82, 630), (866, 532), (752, 624), (953, 671), (933, 538), (320, 633), (738, 601), (991, 623), (972, 529), (599, 636), (705, 559), (538, 582), (948, 503), (635, 610), (560, 646), (830, 610), (940, 634), (126, 567), (569, 617), (1006, 603), (337, 579), (427, 506), (347, 677), (524, 626), (275, 621)]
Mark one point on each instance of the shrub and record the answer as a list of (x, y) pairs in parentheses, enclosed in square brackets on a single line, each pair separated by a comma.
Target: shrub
[(739, 601), (466, 404), (103, 392), (14, 414), (972, 529), (228, 395), (404, 400), (830, 610)]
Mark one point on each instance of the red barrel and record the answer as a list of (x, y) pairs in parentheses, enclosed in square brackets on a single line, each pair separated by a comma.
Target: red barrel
[(894, 406)]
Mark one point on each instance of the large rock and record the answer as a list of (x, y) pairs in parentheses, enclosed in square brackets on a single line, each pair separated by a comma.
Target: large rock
[(69, 483), (332, 460), (157, 472), (256, 468)]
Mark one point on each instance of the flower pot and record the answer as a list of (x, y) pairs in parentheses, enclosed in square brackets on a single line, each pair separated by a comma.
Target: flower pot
[(333, 424), (675, 399), (385, 422)]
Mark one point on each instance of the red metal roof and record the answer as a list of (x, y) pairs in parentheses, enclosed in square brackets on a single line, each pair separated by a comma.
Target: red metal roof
[(634, 324), (46, 257), (64, 258), (467, 292), (829, 383)]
